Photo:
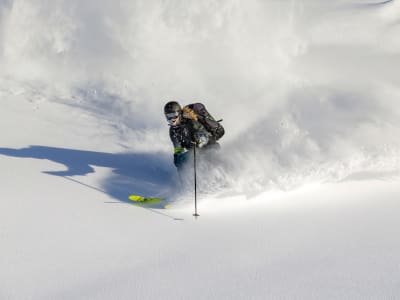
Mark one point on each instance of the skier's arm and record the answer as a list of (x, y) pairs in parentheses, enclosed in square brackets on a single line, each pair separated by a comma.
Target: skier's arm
[(179, 150), (201, 135)]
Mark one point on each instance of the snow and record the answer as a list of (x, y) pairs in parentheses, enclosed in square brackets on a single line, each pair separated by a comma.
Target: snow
[(303, 203)]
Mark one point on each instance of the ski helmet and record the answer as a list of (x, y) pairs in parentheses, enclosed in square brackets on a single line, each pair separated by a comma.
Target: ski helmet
[(172, 111)]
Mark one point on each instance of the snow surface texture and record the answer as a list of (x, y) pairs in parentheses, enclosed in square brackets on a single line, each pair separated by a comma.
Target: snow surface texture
[(302, 202)]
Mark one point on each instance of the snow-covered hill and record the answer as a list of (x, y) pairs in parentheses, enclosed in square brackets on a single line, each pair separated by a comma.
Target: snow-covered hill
[(303, 204)]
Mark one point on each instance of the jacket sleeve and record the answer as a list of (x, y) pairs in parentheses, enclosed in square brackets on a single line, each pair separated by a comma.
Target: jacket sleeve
[(176, 142)]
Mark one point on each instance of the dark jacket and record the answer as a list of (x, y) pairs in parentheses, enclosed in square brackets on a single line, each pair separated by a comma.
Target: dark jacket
[(187, 132)]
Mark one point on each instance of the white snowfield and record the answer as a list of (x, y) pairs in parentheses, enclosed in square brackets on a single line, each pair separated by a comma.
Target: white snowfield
[(302, 202)]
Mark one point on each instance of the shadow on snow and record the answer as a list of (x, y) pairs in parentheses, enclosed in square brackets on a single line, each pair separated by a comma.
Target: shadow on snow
[(133, 173)]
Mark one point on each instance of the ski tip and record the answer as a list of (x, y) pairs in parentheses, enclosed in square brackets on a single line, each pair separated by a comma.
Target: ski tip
[(136, 198)]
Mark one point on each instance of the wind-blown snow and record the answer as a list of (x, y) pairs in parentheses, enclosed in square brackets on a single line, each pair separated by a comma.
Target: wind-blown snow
[(302, 202)]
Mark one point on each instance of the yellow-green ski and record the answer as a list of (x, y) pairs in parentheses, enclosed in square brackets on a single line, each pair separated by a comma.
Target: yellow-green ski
[(141, 199)]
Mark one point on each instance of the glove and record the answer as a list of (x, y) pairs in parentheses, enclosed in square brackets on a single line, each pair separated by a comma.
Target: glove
[(202, 141), (180, 159)]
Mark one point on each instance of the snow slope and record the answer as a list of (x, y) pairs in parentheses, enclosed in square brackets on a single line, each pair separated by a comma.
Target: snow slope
[(302, 206)]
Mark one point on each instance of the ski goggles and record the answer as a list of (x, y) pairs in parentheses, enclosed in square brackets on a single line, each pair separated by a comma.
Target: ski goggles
[(172, 118)]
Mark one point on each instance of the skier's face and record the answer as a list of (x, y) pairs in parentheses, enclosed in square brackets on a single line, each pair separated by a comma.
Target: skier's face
[(173, 118)]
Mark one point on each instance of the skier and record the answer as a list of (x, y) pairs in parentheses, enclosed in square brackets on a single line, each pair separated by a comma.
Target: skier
[(188, 129)]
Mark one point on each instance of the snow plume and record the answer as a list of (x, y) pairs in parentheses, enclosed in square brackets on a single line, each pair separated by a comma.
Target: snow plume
[(337, 116), (307, 89)]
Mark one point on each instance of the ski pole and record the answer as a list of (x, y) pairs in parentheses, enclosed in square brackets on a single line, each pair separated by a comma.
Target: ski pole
[(195, 181)]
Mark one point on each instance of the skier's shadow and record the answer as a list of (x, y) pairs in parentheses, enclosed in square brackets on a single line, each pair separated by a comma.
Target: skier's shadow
[(140, 173)]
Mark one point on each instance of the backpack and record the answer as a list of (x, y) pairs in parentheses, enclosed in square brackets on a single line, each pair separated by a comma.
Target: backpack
[(198, 112)]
